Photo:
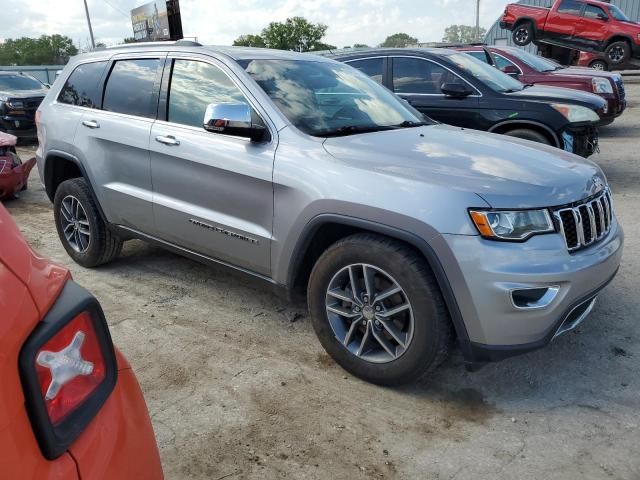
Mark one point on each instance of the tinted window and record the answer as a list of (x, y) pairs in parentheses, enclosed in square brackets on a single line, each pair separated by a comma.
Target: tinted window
[(570, 7), (130, 88), (372, 67), (594, 12), (502, 62), (478, 55), (194, 85), (19, 82), (82, 88), (414, 75)]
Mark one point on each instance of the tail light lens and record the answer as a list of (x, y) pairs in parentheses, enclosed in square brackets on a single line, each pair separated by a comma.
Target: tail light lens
[(68, 370), (3, 164)]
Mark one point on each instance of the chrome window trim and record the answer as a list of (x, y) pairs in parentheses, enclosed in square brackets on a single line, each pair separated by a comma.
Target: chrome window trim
[(510, 61)]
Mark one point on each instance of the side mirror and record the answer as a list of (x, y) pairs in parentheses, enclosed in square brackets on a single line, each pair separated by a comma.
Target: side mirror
[(603, 18), (234, 119), (511, 70), (456, 90), (48, 85)]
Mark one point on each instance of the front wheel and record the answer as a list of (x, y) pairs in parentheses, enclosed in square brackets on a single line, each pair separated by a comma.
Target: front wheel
[(83, 233), (378, 311), (599, 65), (523, 34), (618, 53), (527, 134)]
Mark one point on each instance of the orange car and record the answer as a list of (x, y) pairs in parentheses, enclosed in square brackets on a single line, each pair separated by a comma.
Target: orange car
[(70, 405)]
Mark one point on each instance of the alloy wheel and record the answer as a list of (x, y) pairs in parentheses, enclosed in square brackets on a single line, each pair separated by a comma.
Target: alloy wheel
[(75, 224), (369, 313), (616, 54), (522, 35)]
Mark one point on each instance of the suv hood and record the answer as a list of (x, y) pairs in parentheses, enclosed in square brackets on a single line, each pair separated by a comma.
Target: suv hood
[(585, 72), (504, 171), (559, 94)]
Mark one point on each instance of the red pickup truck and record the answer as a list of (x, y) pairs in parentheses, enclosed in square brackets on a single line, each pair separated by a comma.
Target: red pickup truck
[(588, 25)]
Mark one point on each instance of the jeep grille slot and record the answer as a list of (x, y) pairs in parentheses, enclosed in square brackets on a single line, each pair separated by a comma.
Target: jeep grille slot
[(586, 222)]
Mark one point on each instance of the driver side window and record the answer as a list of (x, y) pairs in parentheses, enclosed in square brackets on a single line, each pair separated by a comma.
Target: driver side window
[(418, 76), (195, 85)]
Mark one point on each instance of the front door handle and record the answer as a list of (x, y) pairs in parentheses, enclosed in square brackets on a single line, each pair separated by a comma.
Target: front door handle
[(91, 124), (168, 140)]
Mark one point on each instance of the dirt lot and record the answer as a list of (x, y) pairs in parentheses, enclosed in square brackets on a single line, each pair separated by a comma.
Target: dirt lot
[(236, 389)]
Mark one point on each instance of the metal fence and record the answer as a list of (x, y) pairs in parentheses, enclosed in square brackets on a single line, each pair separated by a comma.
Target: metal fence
[(44, 73)]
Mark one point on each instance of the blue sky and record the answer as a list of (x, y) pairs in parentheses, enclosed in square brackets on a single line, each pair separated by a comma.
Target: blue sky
[(220, 22)]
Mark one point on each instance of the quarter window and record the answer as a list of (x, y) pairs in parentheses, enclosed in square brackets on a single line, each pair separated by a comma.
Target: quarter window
[(502, 62), (417, 76), (82, 88), (195, 85), (131, 88), (372, 67), (570, 7)]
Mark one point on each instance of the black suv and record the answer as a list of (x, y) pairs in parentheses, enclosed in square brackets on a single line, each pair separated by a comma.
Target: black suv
[(454, 88), (20, 96)]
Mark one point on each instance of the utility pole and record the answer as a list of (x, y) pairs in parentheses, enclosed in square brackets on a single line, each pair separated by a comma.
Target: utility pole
[(477, 20), (86, 9)]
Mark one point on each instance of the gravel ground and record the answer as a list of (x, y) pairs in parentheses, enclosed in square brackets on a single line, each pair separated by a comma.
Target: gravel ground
[(238, 387)]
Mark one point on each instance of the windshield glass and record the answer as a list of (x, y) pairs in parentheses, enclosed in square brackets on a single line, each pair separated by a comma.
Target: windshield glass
[(534, 61), (327, 99), (490, 76), (618, 14), (19, 82)]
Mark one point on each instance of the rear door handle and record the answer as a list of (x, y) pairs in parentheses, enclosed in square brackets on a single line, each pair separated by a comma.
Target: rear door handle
[(91, 124), (168, 140)]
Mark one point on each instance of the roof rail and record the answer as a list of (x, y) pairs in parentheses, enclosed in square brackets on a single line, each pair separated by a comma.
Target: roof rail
[(448, 45), (177, 43)]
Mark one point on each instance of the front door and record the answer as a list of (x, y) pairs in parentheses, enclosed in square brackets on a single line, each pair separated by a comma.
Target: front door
[(212, 193), (560, 25), (589, 30), (419, 81)]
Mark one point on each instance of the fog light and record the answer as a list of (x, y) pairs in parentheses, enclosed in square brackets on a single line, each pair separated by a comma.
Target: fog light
[(532, 298)]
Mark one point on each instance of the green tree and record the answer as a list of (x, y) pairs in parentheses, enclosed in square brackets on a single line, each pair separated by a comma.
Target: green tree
[(46, 50), (129, 40), (249, 41), (362, 45), (296, 33), (399, 40), (463, 34)]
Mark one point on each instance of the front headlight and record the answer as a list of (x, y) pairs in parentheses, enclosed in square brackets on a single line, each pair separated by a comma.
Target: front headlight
[(576, 113), (512, 225), (602, 85)]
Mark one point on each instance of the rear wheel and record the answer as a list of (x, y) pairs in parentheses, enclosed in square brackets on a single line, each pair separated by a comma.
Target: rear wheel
[(528, 134), (600, 65), (83, 233), (523, 34), (378, 311), (618, 52)]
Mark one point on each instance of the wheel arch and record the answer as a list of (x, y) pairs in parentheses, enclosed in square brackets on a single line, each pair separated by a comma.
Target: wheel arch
[(618, 37), (508, 125), (60, 166), (326, 229), (522, 20)]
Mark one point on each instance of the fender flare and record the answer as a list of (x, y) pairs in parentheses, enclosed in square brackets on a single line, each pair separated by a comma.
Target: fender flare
[(553, 134), (48, 166), (532, 20), (422, 245)]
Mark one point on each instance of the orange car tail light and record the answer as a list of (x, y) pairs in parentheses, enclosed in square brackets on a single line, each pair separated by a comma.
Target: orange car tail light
[(68, 370)]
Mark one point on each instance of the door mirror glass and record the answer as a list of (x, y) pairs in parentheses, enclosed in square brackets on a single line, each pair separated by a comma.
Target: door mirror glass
[(236, 119), (456, 90), (511, 70)]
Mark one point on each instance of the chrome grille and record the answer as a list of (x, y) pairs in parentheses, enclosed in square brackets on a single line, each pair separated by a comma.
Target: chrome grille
[(587, 222)]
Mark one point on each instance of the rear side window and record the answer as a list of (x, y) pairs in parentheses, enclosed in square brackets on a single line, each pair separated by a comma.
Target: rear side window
[(372, 67), (502, 62), (131, 88), (570, 7), (195, 85), (82, 88)]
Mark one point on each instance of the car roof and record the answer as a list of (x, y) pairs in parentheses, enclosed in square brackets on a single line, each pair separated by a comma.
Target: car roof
[(419, 51)]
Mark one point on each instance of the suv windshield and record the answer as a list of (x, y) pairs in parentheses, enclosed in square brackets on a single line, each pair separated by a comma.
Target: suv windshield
[(490, 76), (534, 61), (19, 82), (326, 99)]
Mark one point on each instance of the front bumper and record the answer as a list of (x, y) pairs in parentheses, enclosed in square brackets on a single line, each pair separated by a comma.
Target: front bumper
[(582, 141), (22, 126), (488, 271)]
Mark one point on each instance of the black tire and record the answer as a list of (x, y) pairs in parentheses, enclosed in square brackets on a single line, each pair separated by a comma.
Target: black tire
[(432, 328), (103, 244), (523, 34), (528, 134), (618, 53), (599, 65)]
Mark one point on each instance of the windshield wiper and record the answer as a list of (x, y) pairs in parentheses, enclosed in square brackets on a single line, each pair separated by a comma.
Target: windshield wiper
[(354, 129), (411, 124)]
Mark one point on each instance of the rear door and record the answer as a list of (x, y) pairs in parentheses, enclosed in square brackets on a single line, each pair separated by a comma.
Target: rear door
[(213, 193), (591, 30), (561, 22), (419, 81), (115, 139)]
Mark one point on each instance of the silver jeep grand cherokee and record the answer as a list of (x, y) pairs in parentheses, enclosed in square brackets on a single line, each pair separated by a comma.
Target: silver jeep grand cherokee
[(304, 172)]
